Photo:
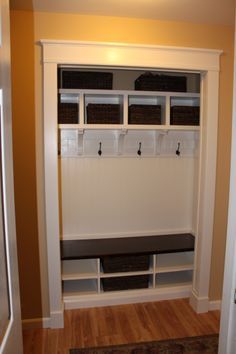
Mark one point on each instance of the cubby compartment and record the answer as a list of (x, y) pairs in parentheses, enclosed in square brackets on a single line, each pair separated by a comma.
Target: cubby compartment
[(172, 262), (79, 287), (68, 109), (146, 110), (126, 263), (174, 279), (79, 269), (132, 282), (103, 109), (185, 111)]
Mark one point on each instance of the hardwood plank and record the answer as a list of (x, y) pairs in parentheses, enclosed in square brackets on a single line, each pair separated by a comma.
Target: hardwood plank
[(122, 324)]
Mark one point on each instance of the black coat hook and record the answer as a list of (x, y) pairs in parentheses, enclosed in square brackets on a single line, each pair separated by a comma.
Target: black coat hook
[(100, 149), (178, 150), (139, 152)]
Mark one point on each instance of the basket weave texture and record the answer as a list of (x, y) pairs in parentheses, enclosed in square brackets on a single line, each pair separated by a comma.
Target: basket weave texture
[(68, 113), (144, 114), (125, 283), (86, 80), (104, 113), (184, 115), (160, 82), (131, 263)]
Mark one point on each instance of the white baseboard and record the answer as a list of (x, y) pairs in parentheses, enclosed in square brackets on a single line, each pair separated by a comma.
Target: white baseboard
[(55, 321), (34, 323), (128, 297), (199, 305), (215, 305), (203, 304)]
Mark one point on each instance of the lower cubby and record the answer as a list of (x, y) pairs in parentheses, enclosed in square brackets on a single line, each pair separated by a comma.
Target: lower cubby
[(125, 283), (79, 269), (130, 263), (173, 279), (80, 287), (114, 271)]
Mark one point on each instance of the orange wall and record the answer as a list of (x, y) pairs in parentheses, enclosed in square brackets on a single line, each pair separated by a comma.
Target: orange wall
[(22, 52), (94, 28)]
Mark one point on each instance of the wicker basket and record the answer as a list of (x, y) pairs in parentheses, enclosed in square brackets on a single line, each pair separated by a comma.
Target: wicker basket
[(132, 263), (144, 114), (104, 113), (184, 115), (68, 113), (125, 283), (159, 82), (76, 79)]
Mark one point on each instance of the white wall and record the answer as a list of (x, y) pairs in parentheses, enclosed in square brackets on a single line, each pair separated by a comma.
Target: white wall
[(119, 196)]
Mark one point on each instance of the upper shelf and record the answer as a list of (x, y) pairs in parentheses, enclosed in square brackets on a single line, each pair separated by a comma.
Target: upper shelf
[(123, 109), (124, 127), (129, 93)]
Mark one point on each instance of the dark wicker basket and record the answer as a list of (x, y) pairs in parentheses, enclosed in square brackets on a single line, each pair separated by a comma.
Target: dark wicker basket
[(131, 263), (76, 79), (104, 113), (144, 114), (68, 113), (125, 283), (184, 115), (160, 82)]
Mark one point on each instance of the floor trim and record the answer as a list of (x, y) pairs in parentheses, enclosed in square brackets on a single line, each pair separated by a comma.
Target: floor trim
[(34, 323)]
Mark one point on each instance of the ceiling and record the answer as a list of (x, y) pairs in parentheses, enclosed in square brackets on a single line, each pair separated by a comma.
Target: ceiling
[(196, 11)]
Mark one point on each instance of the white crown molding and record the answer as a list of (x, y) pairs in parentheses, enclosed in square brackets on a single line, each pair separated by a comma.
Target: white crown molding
[(124, 54)]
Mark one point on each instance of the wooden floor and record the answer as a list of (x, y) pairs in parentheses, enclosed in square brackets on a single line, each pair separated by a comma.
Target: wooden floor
[(121, 324)]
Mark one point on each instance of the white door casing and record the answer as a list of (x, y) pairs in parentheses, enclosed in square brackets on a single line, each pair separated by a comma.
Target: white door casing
[(203, 61), (10, 317)]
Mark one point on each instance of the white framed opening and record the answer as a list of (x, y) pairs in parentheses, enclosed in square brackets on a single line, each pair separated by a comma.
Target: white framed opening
[(206, 62)]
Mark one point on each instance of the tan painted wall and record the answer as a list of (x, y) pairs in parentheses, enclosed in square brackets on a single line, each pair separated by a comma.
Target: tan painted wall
[(22, 52), (92, 28)]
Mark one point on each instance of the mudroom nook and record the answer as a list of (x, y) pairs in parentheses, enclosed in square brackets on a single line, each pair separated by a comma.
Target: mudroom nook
[(130, 153)]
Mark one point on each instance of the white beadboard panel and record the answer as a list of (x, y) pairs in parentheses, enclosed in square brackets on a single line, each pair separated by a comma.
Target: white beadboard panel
[(102, 196)]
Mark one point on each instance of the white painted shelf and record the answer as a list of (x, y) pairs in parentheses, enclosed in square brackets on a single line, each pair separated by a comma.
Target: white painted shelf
[(124, 274), (174, 262), (84, 277), (126, 98), (129, 127), (79, 287), (174, 279), (79, 269), (129, 93)]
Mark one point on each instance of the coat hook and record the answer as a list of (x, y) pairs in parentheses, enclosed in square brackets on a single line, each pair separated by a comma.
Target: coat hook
[(178, 150), (100, 149), (139, 152)]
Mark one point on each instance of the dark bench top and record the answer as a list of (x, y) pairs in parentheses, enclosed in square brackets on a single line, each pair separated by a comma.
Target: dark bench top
[(76, 249)]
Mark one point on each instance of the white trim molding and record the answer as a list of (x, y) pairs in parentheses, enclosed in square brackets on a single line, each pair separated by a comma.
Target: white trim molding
[(146, 56), (215, 305), (35, 323), (127, 297), (204, 61)]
